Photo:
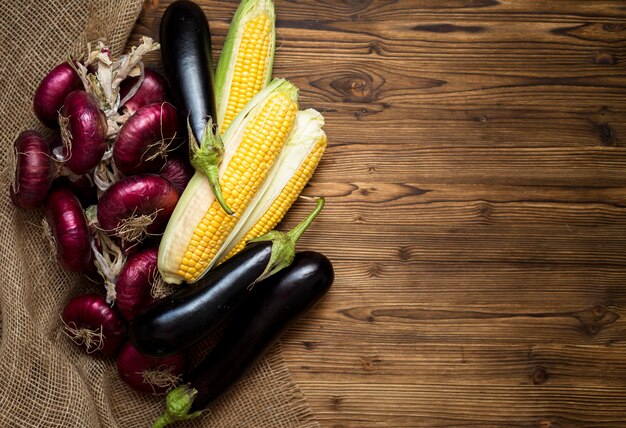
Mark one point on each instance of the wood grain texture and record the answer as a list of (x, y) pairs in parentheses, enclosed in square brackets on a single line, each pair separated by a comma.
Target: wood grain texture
[(476, 215)]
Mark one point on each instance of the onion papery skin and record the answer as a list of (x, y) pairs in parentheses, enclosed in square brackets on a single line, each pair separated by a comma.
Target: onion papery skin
[(84, 129), (137, 195), (34, 170), (153, 89), (142, 143), (68, 226), (135, 281), (82, 186), (178, 172), (52, 91), (91, 312), (131, 365)]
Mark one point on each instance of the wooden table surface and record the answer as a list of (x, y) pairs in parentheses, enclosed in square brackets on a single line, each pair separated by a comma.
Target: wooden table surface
[(476, 199)]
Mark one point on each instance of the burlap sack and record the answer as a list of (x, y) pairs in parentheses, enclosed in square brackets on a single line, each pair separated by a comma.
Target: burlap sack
[(44, 380)]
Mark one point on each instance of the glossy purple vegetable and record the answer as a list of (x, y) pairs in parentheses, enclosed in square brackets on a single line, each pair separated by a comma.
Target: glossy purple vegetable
[(92, 324), (176, 322), (81, 185), (137, 206), (52, 91), (84, 129), (135, 282), (148, 374), (258, 322), (186, 53), (142, 143), (68, 227), (152, 90), (34, 171), (178, 172)]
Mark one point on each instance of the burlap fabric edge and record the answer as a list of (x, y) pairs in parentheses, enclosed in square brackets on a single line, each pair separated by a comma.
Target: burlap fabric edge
[(44, 380)]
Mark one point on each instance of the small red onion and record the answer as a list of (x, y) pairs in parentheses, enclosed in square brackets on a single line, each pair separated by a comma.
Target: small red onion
[(137, 206), (153, 89), (178, 172), (55, 141), (34, 170), (84, 129), (68, 227), (52, 91), (91, 323), (148, 374), (82, 186), (142, 143), (135, 281)]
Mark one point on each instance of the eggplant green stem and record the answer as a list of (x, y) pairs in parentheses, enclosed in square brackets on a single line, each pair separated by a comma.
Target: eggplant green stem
[(177, 405), (206, 157), (295, 233), (284, 243)]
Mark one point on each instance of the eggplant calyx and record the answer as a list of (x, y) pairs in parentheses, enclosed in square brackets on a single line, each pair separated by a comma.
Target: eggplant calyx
[(177, 405), (206, 157), (284, 243)]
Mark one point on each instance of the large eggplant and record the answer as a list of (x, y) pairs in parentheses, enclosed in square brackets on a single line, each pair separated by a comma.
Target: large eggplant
[(186, 52), (266, 313), (183, 318), (180, 320)]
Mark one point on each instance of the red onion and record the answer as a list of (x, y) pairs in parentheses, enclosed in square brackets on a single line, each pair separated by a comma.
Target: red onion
[(82, 186), (55, 141), (34, 170), (51, 93), (137, 206), (91, 323), (178, 172), (148, 374), (153, 89), (84, 129), (68, 227), (142, 143), (135, 281)]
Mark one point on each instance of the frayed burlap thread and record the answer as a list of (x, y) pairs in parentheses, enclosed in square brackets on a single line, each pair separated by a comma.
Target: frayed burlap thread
[(45, 381)]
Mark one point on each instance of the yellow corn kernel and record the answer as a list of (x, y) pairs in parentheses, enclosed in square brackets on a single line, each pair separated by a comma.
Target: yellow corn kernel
[(287, 197), (245, 65), (249, 68), (263, 138)]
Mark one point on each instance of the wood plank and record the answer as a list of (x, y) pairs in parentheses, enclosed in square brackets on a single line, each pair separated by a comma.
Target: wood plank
[(404, 205), (401, 405), (415, 193), (390, 163)]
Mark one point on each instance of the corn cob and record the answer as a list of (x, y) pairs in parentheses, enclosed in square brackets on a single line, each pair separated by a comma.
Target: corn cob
[(291, 172), (198, 227), (245, 65)]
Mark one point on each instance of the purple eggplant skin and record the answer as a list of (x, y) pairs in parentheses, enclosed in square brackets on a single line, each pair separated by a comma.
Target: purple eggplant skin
[(174, 323), (272, 306), (186, 53)]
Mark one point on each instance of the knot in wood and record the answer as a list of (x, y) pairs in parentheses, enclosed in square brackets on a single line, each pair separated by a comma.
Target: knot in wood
[(604, 58), (614, 28), (357, 87), (539, 376)]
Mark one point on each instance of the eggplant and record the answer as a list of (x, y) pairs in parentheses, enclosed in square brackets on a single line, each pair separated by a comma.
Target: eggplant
[(186, 52), (176, 322), (183, 318), (274, 305)]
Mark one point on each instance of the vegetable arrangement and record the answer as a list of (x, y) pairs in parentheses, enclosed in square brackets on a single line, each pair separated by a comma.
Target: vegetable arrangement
[(167, 190)]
